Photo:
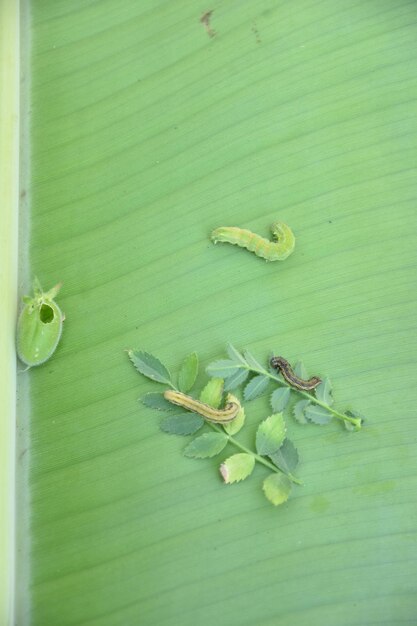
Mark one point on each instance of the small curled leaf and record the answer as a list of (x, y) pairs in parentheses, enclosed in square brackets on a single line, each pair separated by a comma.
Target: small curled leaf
[(237, 467), (205, 446), (235, 425), (188, 372), (277, 488), (150, 366), (255, 387)]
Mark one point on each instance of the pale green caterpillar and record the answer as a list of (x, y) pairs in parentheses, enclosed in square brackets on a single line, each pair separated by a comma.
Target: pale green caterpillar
[(277, 250), (220, 416)]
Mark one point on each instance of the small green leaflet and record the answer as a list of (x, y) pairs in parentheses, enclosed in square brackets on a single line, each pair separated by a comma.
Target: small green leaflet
[(286, 458), (298, 411), (235, 354), (277, 488), (317, 414), (236, 379), (324, 392), (150, 366), (235, 425), (251, 361), (222, 368), (157, 401), (279, 399), (300, 370), (237, 467), (213, 392), (270, 434), (182, 424), (206, 446), (255, 387), (188, 372)]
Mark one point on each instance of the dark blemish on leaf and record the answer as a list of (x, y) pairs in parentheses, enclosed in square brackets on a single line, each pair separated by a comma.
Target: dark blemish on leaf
[(330, 222), (205, 20), (23, 193), (256, 32)]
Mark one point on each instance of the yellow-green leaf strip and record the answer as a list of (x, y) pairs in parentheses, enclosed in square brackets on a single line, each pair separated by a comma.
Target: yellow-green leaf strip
[(237, 467), (188, 372), (277, 250), (39, 326), (212, 393)]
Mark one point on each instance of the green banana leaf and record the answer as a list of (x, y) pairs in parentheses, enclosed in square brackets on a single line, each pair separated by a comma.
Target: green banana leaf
[(152, 123)]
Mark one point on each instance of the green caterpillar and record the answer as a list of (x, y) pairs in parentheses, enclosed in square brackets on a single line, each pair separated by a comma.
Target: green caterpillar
[(277, 250)]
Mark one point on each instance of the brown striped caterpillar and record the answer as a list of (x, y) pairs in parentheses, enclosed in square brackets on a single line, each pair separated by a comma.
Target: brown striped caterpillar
[(279, 363), (220, 416), (277, 250)]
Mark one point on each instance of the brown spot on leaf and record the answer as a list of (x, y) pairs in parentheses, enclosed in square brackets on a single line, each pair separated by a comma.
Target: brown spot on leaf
[(205, 20)]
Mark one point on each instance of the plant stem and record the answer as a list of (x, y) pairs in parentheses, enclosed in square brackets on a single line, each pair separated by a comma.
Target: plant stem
[(257, 457), (353, 420)]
